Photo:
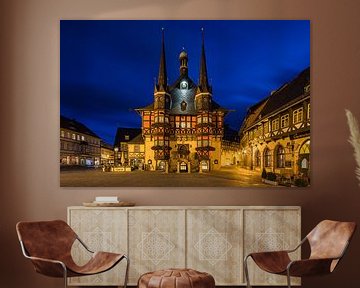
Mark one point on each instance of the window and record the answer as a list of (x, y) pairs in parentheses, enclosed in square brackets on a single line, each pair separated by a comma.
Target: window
[(305, 148), (284, 122), (183, 106), (266, 127), (136, 148), (78, 137), (280, 157), (298, 115), (257, 158), (183, 125), (127, 137), (275, 125), (267, 158), (203, 141), (308, 111), (82, 138), (62, 133), (73, 136)]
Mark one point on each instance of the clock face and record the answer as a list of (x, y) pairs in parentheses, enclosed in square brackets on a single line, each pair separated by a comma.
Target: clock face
[(183, 85)]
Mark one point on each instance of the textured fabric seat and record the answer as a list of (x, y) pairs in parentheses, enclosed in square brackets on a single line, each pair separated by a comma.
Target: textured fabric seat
[(176, 278)]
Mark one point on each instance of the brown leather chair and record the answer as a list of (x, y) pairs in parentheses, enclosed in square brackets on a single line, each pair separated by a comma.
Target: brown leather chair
[(328, 242), (48, 245)]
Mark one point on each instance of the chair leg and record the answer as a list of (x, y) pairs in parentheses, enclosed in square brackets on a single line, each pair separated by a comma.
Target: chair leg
[(127, 271), (246, 270), (65, 276), (288, 278)]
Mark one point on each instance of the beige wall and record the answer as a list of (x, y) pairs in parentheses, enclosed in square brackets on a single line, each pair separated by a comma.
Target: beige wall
[(29, 112)]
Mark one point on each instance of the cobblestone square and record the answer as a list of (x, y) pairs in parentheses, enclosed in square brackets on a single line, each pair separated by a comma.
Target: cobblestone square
[(226, 177)]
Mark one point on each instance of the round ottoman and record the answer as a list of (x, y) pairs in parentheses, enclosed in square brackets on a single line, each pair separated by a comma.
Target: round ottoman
[(176, 278)]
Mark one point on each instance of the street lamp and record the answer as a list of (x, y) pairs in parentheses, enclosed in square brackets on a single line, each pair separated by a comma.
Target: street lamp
[(116, 149)]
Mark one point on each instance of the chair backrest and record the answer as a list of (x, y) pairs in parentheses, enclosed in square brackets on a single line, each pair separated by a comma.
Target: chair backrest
[(329, 239), (46, 239)]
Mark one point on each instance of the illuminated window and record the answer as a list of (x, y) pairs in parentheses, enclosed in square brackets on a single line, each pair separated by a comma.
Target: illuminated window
[(275, 125), (82, 138), (257, 158), (280, 157), (73, 136), (284, 122), (308, 111), (305, 148), (67, 134), (183, 125), (136, 148), (127, 137), (78, 137), (298, 115), (62, 133), (267, 158)]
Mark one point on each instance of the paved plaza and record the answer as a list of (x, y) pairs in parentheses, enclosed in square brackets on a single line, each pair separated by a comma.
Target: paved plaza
[(226, 177)]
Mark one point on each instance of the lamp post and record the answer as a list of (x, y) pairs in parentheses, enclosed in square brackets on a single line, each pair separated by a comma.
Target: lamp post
[(116, 149)]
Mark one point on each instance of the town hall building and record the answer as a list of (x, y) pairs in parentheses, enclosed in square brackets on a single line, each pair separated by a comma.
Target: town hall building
[(183, 129)]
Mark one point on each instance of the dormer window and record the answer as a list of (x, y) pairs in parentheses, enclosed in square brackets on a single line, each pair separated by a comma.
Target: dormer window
[(183, 105)]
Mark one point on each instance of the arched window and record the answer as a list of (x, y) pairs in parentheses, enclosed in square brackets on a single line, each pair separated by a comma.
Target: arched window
[(257, 158), (267, 157), (304, 155), (305, 148), (280, 157)]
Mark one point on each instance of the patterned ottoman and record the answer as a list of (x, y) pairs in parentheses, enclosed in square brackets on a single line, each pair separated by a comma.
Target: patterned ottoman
[(176, 278)]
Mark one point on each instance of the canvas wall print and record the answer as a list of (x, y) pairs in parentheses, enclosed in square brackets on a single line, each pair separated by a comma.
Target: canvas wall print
[(185, 103)]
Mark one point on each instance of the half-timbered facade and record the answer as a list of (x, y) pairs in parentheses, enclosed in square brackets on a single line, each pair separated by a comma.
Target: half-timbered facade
[(183, 127), (275, 134)]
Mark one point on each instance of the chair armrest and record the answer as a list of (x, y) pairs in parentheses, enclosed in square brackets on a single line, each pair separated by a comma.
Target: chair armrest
[(84, 245), (48, 267), (309, 267)]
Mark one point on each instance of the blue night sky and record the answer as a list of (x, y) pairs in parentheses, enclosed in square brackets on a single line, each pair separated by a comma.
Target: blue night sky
[(107, 68)]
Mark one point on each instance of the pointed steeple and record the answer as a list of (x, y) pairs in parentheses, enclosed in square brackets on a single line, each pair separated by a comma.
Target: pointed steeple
[(162, 78), (203, 78)]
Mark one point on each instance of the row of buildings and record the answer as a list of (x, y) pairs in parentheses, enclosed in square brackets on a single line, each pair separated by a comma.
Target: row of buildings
[(183, 130)]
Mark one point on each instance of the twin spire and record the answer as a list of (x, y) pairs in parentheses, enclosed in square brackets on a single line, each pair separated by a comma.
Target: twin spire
[(162, 79), (203, 84)]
